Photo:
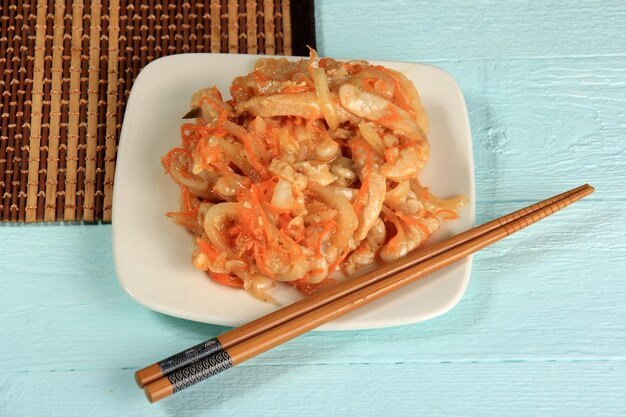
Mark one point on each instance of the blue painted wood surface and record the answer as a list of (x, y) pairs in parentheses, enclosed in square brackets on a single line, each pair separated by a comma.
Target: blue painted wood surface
[(541, 329)]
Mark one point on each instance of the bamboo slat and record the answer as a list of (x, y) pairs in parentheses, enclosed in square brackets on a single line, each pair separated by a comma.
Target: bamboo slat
[(55, 113), (73, 112), (92, 112), (37, 105)]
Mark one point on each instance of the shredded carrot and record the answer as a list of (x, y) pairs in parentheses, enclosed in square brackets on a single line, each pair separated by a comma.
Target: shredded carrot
[(298, 88), (268, 184), (212, 156), (235, 231), (207, 248), (414, 221), (191, 133), (174, 214), (166, 161), (447, 214), (185, 136), (400, 100), (258, 210), (219, 130), (398, 96), (260, 257), (187, 207), (256, 164), (226, 279), (211, 102), (186, 198), (391, 155)]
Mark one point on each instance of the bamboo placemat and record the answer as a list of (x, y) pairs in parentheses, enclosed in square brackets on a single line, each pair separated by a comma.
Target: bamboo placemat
[(66, 70)]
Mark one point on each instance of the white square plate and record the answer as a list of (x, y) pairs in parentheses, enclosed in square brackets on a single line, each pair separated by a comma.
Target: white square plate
[(153, 255)]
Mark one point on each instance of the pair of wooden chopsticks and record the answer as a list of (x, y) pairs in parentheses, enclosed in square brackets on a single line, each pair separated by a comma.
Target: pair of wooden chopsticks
[(233, 347)]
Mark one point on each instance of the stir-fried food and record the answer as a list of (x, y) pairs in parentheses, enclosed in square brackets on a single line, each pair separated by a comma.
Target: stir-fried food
[(310, 166)]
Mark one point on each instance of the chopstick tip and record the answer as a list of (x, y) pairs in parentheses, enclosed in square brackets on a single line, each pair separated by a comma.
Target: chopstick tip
[(588, 189), (158, 390), (149, 396), (140, 384), (148, 375)]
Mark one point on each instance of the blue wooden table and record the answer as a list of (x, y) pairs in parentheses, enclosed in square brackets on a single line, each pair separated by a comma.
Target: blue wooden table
[(541, 329)]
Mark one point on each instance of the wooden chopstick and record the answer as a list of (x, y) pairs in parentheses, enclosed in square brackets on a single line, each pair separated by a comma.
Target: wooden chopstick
[(237, 335), (279, 334)]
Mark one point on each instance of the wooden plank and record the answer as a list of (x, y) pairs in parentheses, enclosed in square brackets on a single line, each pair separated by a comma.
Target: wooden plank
[(455, 30), (555, 120), (595, 389)]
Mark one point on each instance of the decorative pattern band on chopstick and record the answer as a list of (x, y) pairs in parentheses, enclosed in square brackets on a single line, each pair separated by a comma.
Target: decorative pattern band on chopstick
[(191, 355), (301, 324), (173, 363), (199, 371)]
